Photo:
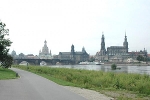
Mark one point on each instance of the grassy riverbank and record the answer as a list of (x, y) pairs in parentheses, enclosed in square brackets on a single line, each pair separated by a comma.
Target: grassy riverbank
[(121, 83), (6, 74)]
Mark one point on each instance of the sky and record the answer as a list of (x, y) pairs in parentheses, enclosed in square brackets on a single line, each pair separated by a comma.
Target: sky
[(78, 22)]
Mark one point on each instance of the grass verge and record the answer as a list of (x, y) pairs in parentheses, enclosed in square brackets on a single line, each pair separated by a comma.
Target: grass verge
[(7, 74), (122, 86)]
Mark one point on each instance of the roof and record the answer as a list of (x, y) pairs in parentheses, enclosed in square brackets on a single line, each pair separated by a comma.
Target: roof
[(68, 53), (65, 53), (136, 53), (117, 47), (30, 55), (148, 55), (79, 53)]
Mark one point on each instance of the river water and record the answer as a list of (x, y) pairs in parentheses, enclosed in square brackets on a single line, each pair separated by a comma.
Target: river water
[(124, 69)]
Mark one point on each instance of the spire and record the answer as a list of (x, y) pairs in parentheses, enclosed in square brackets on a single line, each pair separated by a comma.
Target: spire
[(72, 48), (125, 43), (102, 41), (103, 50), (45, 42), (144, 50), (125, 36), (50, 52), (125, 39), (83, 49)]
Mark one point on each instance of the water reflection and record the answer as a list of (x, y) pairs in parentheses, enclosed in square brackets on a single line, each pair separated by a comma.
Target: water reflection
[(124, 69)]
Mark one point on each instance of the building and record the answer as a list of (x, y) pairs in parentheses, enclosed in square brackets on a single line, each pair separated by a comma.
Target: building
[(74, 56), (13, 54), (116, 53), (45, 53), (135, 54)]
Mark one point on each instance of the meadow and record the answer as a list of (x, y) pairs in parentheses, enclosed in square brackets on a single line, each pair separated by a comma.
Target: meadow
[(95, 80)]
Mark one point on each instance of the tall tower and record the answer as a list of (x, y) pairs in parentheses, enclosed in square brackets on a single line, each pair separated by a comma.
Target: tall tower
[(125, 43), (72, 48), (72, 52), (103, 50)]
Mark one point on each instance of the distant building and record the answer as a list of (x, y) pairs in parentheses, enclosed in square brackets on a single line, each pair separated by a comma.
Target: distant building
[(45, 53), (31, 56), (75, 56), (135, 54), (116, 53), (13, 54)]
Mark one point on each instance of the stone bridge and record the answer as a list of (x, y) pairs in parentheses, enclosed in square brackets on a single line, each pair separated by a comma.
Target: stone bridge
[(47, 61)]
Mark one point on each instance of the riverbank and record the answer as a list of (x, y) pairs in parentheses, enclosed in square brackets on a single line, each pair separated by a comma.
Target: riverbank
[(116, 85), (127, 64)]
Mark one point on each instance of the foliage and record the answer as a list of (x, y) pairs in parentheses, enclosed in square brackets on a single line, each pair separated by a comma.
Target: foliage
[(5, 59), (7, 62), (92, 59), (113, 66), (96, 79), (142, 58), (7, 74)]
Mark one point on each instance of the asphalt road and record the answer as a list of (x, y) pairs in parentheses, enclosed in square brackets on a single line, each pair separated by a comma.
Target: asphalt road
[(33, 87)]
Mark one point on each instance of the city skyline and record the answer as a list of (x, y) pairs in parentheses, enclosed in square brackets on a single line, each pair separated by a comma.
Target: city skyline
[(84, 47), (78, 22)]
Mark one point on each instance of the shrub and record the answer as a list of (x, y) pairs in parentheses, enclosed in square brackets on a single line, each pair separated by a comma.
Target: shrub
[(113, 66)]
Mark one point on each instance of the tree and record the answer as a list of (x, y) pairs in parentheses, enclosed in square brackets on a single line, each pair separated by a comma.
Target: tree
[(140, 58), (113, 66), (5, 59), (92, 59), (7, 62)]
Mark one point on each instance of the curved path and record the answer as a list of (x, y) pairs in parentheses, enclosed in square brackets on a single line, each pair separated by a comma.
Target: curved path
[(33, 87)]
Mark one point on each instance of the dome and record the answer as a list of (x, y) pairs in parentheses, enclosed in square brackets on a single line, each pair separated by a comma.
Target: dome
[(13, 53)]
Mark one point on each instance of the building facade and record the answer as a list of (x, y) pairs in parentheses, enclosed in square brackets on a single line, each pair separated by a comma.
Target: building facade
[(74, 56), (45, 53), (116, 53)]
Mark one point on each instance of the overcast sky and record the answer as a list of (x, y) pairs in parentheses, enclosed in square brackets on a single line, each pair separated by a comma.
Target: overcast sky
[(79, 22)]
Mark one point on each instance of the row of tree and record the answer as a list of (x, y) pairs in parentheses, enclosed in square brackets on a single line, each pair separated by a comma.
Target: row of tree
[(5, 59)]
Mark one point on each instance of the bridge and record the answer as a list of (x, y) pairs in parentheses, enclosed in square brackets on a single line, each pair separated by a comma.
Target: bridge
[(47, 61)]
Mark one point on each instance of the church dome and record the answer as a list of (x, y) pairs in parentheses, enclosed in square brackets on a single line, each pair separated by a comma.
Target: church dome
[(13, 53)]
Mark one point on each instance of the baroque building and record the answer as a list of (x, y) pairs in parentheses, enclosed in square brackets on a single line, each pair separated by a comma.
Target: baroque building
[(113, 53), (117, 53), (74, 56), (45, 53)]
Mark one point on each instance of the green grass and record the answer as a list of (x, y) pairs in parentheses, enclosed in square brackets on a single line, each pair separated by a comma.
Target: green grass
[(6, 74), (97, 80)]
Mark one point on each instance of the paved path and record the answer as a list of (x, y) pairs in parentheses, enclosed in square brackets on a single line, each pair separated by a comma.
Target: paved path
[(33, 87)]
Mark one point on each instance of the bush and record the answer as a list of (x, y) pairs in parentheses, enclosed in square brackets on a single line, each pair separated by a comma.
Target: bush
[(113, 66)]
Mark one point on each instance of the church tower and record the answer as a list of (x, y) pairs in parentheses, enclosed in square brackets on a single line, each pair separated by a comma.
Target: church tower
[(72, 49), (72, 52), (103, 50), (125, 43)]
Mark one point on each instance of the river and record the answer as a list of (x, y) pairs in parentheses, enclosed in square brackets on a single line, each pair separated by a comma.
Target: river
[(124, 69)]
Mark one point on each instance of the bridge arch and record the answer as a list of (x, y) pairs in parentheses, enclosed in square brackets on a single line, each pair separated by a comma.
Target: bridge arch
[(43, 63), (24, 63)]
